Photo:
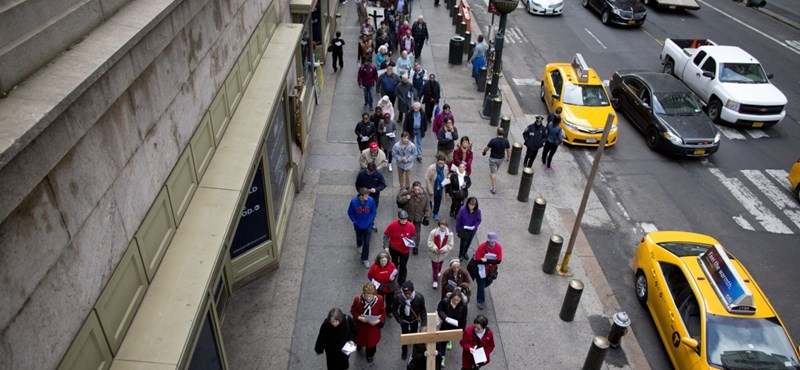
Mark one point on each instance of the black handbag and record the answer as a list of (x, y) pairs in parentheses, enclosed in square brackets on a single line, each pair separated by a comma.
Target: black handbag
[(472, 268)]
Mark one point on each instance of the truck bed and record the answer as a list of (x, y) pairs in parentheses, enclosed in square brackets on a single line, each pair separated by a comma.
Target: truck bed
[(689, 45), (678, 4)]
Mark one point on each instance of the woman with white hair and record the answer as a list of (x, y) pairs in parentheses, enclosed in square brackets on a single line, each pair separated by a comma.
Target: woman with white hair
[(386, 106)]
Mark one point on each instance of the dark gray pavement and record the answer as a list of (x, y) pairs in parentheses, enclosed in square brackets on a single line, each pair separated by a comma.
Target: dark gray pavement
[(273, 322)]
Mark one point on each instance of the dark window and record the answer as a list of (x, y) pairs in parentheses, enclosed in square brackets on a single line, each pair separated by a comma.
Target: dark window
[(558, 82), (699, 58), (683, 297), (634, 84), (253, 228), (278, 156), (710, 66), (206, 353), (644, 96)]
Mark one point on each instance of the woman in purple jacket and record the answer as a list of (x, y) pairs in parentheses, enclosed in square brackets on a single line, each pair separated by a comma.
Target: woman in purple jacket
[(467, 223)]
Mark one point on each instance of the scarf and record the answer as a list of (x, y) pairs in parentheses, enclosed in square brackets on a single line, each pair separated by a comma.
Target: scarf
[(437, 187), (407, 309), (442, 234), (461, 179), (478, 337), (368, 305)]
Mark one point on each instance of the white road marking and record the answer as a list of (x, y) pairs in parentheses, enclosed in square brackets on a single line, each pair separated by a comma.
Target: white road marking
[(793, 215), (731, 133), (521, 34), (648, 227), (743, 223), (511, 37), (526, 82), (793, 43), (773, 193), (595, 38), (756, 133), (781, 177), (748, 200), (750, 27)]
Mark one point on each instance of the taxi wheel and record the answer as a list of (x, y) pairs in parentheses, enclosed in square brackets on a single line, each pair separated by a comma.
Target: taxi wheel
[(641, 287)]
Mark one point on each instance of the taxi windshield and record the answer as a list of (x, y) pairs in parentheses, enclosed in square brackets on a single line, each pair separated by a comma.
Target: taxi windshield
[(585, 95), (749, 343)]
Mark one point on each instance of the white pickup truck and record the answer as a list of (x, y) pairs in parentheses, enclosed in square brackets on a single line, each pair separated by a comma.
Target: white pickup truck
[(673, 4), (729, 80)]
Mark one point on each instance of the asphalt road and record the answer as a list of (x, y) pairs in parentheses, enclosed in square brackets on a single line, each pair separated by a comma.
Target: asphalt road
[(739, 195)]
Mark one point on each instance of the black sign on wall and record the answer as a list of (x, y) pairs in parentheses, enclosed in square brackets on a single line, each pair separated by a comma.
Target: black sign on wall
[(253, 228)]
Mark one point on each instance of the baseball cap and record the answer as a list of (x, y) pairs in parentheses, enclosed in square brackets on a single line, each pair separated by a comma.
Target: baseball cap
[(373, 145), (492, 236)]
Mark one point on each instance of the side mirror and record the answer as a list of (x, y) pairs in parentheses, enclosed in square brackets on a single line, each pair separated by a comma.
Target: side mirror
[(691, 343), (708, 74), (556, 96), (770, 76)]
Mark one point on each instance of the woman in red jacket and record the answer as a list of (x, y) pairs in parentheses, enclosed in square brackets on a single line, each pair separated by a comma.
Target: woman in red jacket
[(477, 335), (463, 154), (370, 315), (384, 273)]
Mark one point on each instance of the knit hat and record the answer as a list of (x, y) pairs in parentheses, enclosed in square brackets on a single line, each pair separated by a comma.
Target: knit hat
[(454, 261), (408, 286)]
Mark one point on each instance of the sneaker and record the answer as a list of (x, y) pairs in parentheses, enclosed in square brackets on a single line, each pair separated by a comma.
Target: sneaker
[(419, 159), (481, 306), (493, 190), (415, 251), (435, 285), (374, 229), (369, 359), (344, 2), (436, 217), (358, 250), (449, 345), (366, 264), (390, 167)]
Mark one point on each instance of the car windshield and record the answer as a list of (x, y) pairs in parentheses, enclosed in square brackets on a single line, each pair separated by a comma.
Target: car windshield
[(585, 95), (679, 103), (743, 73), (749, 343)]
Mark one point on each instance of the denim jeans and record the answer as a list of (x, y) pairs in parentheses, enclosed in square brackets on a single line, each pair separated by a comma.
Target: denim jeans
[(362, 240), (481, 288), (368, 96), (418, 141)]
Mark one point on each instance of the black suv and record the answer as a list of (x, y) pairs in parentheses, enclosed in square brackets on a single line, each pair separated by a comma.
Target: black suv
[(620, 12)]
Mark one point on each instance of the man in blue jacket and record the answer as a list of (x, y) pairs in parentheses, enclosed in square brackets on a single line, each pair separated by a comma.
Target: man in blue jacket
[(362, 212)]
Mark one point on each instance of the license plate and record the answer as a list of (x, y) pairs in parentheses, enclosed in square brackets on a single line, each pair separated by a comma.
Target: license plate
[(758, 124), (548, 11), (699, 151), (591, 141), (631, 21)]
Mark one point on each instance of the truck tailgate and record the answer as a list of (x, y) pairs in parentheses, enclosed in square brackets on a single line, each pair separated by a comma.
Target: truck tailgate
[(679, 4)]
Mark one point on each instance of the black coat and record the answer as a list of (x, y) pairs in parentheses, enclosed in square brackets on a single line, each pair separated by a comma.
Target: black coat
[(408, 122), (534, 136), (331, 340), (453, 189), (417, 306), (431, 92), (459, 313)]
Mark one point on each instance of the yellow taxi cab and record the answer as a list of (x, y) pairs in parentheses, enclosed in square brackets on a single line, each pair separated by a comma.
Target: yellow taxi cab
[(708, 310), (794, 179), (580, 93)]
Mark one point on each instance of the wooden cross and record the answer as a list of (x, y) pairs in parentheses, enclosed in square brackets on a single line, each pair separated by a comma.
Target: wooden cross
[(430, 338), (372, 11)]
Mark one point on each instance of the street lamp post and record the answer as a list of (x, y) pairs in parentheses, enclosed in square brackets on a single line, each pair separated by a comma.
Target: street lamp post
[(503, 7)]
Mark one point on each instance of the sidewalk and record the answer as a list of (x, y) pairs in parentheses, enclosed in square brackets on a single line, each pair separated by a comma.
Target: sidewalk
[(273, 322)]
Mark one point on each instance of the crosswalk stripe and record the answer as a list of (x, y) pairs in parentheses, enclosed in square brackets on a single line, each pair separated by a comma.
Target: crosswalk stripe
[(742, 222), (780, 176), (773, 193), (750, 202), (521, 34), (526, 81), (730, 133), (756, 133), (793, 215), (648, 227)]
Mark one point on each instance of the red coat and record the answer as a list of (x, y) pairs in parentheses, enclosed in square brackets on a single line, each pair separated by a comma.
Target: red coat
[(368, 335), (483, 249), (383, 275), (459, 156), (468, 340), (396, 232)]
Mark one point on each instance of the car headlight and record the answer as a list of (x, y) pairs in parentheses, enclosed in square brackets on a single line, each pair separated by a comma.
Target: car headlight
[(616, 11), (716, 138), (613, 128), (732, 105), (533, 3), (675, 139), (571, 125)]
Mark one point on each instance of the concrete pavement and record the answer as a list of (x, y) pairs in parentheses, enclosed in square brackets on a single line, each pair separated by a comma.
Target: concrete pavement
[(273, 322)]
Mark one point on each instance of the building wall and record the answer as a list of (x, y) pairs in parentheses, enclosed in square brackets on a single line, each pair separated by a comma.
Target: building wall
[(99, 165)]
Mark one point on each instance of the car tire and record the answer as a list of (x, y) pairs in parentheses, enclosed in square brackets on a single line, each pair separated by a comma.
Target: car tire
[(715, 110), (640, 284), (651, 136), (605, 17), (669, 67), (615, 97), (585, 3), (541, 91)]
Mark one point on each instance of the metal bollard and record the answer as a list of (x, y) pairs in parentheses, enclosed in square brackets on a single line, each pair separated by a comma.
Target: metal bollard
[(553, 251), (537, 216), (516, 153), (457, 19), (525, 184), (571, 299), (597, 354), (619, 328), (470, 44), (454, 9), (463, 34), (497, 105), (482, 82), (505, 123)]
